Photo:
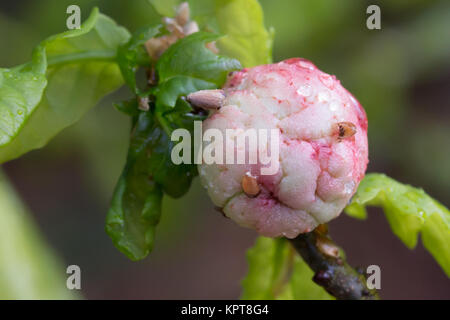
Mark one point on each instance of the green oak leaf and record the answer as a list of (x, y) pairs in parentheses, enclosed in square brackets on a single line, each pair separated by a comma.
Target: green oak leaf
[(275, 271), (409, 211), (240, 21), (81, 70), (188, 66), (20, 92), (136, 204), (246, 39)]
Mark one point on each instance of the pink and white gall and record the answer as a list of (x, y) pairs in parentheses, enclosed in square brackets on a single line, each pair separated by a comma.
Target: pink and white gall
[(318, 170)]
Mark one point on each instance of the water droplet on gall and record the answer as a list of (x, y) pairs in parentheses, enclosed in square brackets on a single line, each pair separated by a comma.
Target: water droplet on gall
[(334, 105), (306, 65), (327, 80), (348, 187), (304, 90), (323, 96)]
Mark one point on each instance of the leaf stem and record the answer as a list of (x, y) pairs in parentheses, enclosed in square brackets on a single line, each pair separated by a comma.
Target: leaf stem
[(331, 271)]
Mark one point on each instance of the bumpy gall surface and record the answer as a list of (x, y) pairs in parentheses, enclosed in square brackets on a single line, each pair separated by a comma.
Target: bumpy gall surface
[(323, 150)]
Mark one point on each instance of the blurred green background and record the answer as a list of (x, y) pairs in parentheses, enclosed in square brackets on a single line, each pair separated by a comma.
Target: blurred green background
[(400, 74)]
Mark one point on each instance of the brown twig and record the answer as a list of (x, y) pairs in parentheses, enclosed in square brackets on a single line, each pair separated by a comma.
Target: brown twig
[(331, 271)]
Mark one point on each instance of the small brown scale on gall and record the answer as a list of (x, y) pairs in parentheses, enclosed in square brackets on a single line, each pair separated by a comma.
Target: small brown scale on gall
[(345, 130), (250, 186)]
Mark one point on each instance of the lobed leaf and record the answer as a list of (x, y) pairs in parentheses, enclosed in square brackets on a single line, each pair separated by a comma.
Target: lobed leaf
[(409, 211), (246, 39), (20, 91), (81, 70), (136, 204), (188, 66)]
